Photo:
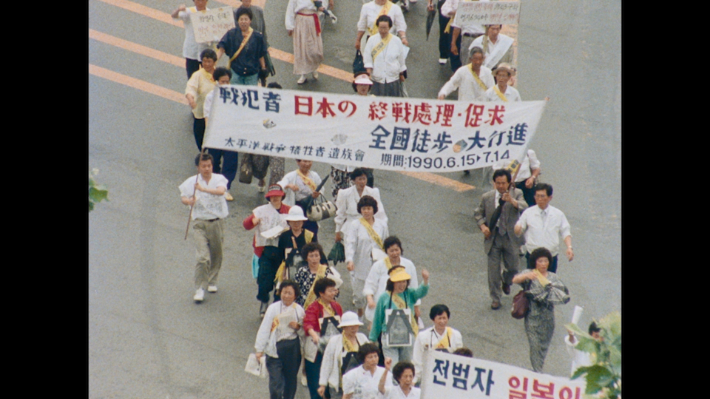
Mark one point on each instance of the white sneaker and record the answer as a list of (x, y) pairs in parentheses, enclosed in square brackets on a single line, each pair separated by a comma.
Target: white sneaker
[(304, 381), (315, 75), (412, 1), (199, 295), (302, 80), (333, 18), (211, 288), (442, 61)]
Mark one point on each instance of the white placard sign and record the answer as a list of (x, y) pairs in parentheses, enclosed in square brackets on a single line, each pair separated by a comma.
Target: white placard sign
[(211, 25), (484, 13), (390, 133), (452, 376)]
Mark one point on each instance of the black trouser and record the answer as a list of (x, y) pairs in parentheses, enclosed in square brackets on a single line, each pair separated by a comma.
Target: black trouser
[(283, 371), (191, 66), (455, 59), (444, 38), (269, 262)]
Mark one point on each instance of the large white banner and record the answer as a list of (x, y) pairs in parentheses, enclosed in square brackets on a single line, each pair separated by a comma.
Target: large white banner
[(392, 133), (452, 376), (211, 25), (484, 13)]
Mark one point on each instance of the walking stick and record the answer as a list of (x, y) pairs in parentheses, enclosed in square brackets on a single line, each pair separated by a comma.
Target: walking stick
[(189, 216)]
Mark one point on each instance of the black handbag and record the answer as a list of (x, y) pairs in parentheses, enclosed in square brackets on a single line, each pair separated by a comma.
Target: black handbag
[(358, 63)]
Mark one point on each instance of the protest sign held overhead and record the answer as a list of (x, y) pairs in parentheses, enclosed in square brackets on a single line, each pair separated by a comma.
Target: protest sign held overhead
[(211, 25), (485, 13), (391, 133), (450, 376)]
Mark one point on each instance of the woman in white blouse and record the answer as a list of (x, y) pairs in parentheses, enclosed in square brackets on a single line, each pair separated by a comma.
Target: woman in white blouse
[(279, 338), (363, 234)]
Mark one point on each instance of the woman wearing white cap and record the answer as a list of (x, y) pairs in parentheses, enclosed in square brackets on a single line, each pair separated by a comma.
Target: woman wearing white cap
[(291, 242), (398, 296), (266, 253), (341, 355), (279, 337), (501, 91)]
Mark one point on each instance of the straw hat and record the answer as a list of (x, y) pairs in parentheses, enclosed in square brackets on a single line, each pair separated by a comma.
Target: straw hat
[(400, 275), (504, 66), (295, 214), (275, 189), (349, 319)]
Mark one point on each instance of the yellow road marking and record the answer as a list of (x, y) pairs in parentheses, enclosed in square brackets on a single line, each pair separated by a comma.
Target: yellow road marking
[(138, 84), (137, 48)]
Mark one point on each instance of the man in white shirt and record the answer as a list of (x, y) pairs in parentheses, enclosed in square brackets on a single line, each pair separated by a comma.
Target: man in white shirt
[(461, 36), (205, 194), (497, 46), (190, 48), (384, 57), (437, 337), (371, 11), (472, 80), (347, 202), (501, 91), (544, 225)]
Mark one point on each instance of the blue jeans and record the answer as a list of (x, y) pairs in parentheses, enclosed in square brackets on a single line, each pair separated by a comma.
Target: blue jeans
[(229, 166), (248, 80), (313, 376)]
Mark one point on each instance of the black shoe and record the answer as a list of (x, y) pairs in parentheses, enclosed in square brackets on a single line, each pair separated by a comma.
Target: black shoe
[(495, 305), (506, 288)]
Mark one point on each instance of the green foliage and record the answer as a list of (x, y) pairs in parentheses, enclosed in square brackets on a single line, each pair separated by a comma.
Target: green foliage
[(97, 192), (604, 376)]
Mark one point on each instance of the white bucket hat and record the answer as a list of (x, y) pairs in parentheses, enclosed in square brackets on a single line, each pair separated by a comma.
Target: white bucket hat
[(295, 214), (349, 319)]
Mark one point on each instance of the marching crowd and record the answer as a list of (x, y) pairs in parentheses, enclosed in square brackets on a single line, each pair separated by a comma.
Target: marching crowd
[(304, 327)]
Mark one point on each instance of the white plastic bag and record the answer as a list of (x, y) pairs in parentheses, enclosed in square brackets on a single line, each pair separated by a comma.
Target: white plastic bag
[(256, 368)]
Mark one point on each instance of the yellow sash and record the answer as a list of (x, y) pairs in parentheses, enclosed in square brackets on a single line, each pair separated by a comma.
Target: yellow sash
[(307, 180), (383, 11), (348, 346), (312, 296), (445, 342), (501, 95), (282, 267), (241, 46), (475, 76), (326, 306), (388, 263), (371, 232), (381, 46), (403, 305)]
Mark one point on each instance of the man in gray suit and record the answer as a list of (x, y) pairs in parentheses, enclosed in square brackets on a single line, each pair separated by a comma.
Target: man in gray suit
[(500, 240)]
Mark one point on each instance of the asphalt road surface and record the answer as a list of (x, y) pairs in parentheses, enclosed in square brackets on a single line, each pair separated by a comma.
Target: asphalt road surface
[(148, 339)]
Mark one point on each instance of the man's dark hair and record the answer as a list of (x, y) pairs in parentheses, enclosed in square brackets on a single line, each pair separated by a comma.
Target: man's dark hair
[(203, 156), (463, 351), (593, 328), (274, 85), (502, 172), (242, 11), (544, 186), (439, 309), (384, 18), (393, 240), (366, 349), (399, 368), (221, 71)]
